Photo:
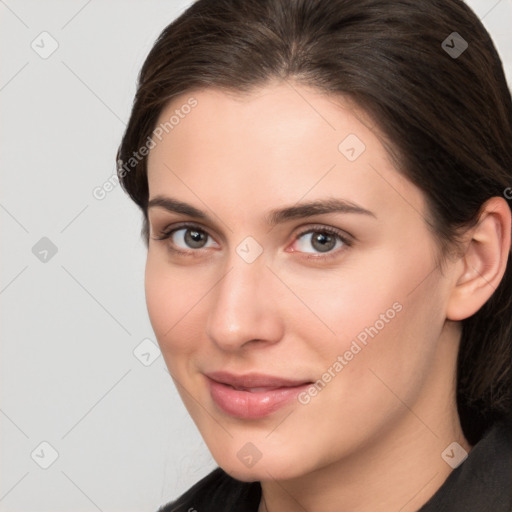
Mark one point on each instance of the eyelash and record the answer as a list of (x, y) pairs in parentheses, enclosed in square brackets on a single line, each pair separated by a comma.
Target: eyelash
[(165, 234), (347, 242)]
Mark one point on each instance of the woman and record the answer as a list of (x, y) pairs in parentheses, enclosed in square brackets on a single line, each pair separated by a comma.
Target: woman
[(324, 187)]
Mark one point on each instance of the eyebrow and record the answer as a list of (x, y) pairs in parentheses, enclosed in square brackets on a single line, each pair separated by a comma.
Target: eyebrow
[(311, 208), (275, 216)]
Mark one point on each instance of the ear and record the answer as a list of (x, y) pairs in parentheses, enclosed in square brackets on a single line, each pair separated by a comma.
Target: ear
[(481, 268)]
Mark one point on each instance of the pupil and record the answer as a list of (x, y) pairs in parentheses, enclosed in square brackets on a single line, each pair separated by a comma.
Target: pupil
[(195, 238), (323, 242)]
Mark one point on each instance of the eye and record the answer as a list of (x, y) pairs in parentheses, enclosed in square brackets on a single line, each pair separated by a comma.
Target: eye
[(320, 240), (190, 238), (187, 238)]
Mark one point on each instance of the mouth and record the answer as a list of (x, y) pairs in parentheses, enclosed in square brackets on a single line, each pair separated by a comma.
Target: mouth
[(252, 396), (252, 390), (255, 381)]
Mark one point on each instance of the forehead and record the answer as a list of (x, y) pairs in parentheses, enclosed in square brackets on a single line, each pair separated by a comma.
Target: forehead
[(279, 114), (284, 139)]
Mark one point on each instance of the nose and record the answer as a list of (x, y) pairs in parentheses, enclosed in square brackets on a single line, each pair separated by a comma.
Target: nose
[(243, 309)]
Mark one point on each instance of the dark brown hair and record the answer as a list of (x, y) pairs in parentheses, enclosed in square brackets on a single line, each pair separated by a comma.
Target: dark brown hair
[(448, 118)]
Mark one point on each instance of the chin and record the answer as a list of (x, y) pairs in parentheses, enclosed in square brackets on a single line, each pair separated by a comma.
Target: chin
[(274, 468)]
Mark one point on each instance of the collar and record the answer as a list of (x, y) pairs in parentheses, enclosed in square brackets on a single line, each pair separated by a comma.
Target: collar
[(483, 482)]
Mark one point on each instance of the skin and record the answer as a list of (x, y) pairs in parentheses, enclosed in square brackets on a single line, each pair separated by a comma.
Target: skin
[(372, 438)]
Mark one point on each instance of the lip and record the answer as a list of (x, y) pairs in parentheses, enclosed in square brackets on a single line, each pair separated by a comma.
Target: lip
[(259, 395)]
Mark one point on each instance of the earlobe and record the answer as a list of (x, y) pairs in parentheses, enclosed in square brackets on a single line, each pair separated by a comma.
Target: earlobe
[(482, 266)]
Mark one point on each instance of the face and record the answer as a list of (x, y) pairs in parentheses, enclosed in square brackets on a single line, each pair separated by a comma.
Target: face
[(284, 243)]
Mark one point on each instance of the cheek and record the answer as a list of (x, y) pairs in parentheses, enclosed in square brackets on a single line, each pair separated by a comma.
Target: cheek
[(373, 315), (339, 304), (171, 296)]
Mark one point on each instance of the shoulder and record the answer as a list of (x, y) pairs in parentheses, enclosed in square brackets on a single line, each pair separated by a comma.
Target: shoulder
[(220, 492)]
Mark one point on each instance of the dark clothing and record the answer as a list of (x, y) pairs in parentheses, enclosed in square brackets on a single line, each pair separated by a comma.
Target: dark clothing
[(482, 483)]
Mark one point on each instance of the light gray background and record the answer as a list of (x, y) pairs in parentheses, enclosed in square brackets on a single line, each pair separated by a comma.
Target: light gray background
[(71, 323)]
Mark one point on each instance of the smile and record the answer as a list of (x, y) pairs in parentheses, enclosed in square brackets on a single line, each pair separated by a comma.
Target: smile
[(252, 401)]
